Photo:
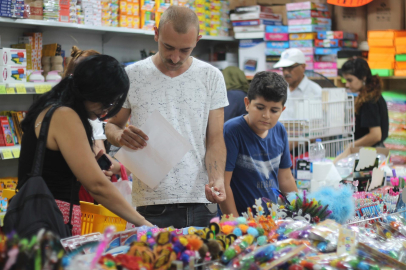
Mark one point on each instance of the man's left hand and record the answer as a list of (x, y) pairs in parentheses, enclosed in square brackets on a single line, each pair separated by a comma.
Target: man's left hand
[(218, 188)]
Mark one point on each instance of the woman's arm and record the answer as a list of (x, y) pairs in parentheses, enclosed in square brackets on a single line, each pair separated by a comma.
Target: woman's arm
[(373, 137), (228, 206), (67, 131)]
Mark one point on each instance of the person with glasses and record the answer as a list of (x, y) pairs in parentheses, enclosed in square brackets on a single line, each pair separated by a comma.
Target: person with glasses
[(99, 136), (293, 64), (98, 87)]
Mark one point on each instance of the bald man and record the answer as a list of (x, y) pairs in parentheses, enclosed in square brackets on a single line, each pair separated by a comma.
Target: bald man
[(191, 95)]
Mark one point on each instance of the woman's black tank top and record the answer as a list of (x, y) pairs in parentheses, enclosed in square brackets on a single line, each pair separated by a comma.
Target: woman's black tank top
[(55, 172)]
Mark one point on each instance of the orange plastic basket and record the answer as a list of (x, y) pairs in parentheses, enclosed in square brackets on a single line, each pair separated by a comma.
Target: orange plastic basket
[(95, 218)]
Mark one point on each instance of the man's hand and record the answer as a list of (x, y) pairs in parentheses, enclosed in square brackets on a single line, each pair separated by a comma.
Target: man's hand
[(133, 138), (215, 192)]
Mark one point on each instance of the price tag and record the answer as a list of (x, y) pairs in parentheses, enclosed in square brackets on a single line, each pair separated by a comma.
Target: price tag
[(10, 90), (38, 89), (21, 89), (7, 154), (3, 89), (16, 152), (47, 88)]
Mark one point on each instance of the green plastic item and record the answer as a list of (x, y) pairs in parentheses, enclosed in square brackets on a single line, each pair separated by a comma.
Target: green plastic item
[(382, 72), (400, 57)]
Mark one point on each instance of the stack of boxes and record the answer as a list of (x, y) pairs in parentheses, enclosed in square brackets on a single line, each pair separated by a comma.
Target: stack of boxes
[(33, 9), (92, 11), (12, 8), (277, 40), (13, 65), (202, 9), (304, 19), (382, 51), (225, 22), (213, 16), (72, 11), (110, 9), (34, 50), (400, 64), (128, 13), (51, 10), (148, 13), (249, 22), (328, 44)]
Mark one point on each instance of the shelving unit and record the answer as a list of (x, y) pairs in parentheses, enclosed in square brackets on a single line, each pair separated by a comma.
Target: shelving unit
[(124, 44), (38, 24)]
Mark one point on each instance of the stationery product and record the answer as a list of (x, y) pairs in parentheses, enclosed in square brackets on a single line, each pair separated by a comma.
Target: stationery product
[(12, 56), (336, 35), (277, 36), (307, 28), (305, 14), (304, 36), (277, 44), (312, 21), (301, 43), (305, 6), (275, 29)]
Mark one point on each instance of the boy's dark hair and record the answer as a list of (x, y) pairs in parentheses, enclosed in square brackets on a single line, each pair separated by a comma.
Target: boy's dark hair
[(270, 86)]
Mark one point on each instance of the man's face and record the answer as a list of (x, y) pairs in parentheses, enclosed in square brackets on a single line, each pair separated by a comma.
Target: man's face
[(175, 48), (294, 73)]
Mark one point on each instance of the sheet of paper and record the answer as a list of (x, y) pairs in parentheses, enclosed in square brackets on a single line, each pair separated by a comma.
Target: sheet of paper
[(165, 148), (377, 178), (367, 158)]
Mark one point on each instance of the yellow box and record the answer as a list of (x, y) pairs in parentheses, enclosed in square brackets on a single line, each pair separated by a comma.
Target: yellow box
[(390, 50), (381, 65), (400, 72), (122, 10), (303, 36), (401, 49), (380, 42), (122, 21), (386, 34), (379, 57)]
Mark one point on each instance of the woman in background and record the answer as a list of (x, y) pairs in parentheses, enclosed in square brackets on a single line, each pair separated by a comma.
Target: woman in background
[(371, 111)]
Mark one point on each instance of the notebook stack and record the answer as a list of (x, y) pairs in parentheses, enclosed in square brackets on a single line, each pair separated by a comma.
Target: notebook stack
[(328, 44), (382, 51)]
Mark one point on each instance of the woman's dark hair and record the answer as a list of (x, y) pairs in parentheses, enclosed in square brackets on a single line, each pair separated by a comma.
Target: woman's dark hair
[(97, 78), (372, 90)]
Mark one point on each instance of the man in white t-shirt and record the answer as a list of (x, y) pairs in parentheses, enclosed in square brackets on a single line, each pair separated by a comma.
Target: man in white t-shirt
[(191, 95), (293, 64)]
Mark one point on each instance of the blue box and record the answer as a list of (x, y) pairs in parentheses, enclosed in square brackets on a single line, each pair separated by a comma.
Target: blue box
[(277, 44), (301, 43), (326, 51), (276, 29), (256, 22), (273, 51)]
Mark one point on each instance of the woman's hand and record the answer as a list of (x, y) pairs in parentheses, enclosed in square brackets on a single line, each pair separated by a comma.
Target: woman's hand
[(109, 173)]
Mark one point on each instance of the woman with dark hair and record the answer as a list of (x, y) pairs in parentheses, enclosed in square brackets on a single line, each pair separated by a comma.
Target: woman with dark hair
[(96, 90), (371, 112)]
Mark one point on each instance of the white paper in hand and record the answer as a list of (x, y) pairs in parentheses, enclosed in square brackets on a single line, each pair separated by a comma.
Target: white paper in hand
[(165, 148)]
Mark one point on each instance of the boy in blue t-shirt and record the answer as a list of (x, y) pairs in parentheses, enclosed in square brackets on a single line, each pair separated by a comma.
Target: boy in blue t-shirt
[(258, 157)]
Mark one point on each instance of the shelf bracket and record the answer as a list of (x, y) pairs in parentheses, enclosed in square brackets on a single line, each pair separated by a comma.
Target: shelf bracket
[(106, 37)]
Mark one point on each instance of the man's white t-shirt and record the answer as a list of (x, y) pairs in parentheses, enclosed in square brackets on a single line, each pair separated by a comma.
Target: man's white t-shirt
[(98, 129), (185, 101), (307, 89)]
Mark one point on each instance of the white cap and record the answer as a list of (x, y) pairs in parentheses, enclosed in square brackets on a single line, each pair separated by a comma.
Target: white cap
[(290, 57)]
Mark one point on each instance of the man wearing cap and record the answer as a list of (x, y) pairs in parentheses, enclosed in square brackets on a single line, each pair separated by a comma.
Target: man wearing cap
[(293, 64)]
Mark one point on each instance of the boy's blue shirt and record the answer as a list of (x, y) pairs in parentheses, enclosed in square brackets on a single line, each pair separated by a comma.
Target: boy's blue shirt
[(254, 161)]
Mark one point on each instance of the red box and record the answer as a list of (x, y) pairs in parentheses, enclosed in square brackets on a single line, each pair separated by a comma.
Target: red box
[(6, 134)]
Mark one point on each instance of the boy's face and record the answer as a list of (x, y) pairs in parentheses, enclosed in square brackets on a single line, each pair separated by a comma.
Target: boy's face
[(263, 115)]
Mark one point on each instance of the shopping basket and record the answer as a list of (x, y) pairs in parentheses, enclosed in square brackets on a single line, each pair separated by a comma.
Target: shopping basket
[(96, 218)]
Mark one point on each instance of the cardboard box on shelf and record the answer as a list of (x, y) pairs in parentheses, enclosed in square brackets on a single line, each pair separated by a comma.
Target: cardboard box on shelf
[(386, 14), (240, 3), (351, 20)]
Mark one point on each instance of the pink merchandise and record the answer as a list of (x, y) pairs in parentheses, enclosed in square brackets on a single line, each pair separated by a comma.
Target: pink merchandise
[(325, 65), (307, 50), (327, 72), (277, 36)]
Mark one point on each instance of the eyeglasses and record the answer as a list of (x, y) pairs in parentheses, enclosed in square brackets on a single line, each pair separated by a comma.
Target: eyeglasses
[(289, 69), (105, 110)]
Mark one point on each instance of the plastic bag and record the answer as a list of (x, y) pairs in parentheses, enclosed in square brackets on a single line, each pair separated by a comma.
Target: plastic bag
[(125, 188)]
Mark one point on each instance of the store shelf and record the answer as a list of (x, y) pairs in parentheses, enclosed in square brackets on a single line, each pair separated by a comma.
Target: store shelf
[(27, 23), (9, 152), (27, 88)]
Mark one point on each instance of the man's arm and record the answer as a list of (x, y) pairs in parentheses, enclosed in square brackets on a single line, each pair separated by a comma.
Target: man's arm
[(117, 134), (286, 181), (228, 206), (374, 136), (216, 155)]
